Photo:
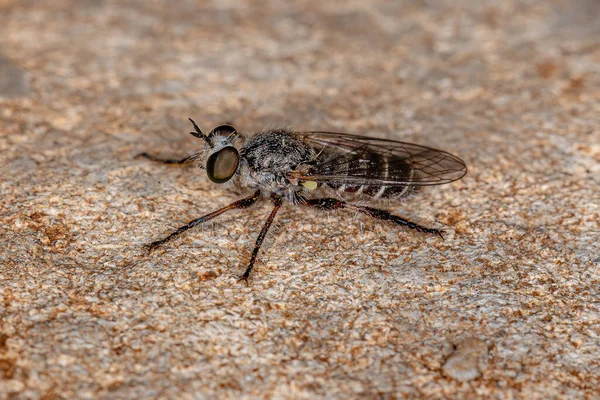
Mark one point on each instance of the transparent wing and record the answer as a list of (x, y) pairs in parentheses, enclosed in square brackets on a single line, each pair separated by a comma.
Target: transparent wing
[(358, 160)]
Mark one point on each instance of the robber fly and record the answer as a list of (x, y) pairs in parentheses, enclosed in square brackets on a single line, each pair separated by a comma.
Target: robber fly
[(301, 167)]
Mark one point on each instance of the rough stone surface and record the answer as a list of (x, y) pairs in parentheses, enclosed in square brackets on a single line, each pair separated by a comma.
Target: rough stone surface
[(465, 363), (340, 305), (13, 81)]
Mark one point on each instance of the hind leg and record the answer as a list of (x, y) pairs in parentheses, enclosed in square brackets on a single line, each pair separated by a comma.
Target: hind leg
[(330, 203)]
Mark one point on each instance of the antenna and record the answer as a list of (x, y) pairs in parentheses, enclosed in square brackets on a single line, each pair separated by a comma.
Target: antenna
[(199, 133)]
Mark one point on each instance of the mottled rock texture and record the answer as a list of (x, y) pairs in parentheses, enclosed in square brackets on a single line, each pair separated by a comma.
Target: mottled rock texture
[(340, 306)]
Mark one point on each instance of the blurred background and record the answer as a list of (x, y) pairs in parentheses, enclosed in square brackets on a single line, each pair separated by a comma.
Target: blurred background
[(359, 66), (339, 306)]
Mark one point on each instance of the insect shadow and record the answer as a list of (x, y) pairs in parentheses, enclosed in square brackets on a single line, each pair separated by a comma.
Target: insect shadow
[(301, 167)]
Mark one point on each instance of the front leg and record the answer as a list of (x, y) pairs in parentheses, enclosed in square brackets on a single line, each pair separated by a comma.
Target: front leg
[(242, 203), (168, 161), (334, 204)]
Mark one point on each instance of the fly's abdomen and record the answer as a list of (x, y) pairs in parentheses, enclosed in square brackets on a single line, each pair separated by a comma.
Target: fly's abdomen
[(373, 191), (368, 165), (396, 192)]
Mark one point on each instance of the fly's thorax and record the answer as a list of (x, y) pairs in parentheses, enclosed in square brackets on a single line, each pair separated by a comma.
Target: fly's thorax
[(277, 150), (266, 181), (268, 157)]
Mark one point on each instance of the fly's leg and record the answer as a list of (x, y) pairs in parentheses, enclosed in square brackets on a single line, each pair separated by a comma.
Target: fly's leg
[(169, 161), (329, 203), (261, 238), (242, 203)]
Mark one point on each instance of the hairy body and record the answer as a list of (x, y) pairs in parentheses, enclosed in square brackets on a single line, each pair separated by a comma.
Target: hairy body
[(300, 167)]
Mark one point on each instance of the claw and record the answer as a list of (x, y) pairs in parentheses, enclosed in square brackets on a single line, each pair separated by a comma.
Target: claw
[(244, 278), (143, 155), (150, 247)]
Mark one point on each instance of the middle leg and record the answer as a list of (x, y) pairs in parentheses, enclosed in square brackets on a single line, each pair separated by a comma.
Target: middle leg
[(261, 237)]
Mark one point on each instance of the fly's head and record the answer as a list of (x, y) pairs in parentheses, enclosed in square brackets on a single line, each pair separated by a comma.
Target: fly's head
[(219, 156)]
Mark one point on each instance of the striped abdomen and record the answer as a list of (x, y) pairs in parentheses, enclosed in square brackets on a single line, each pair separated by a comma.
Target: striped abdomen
[(376, 192), (374, 168)]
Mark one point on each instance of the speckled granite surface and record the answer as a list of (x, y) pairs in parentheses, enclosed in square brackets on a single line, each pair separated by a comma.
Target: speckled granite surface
[(340, 306)]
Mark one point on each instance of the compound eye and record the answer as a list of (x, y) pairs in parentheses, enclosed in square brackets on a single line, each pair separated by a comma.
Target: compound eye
[(221, 165)]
